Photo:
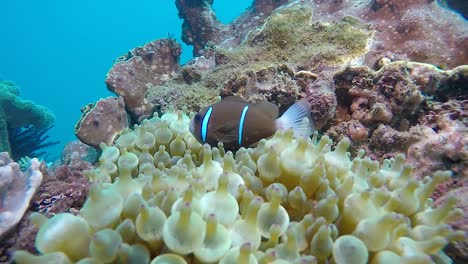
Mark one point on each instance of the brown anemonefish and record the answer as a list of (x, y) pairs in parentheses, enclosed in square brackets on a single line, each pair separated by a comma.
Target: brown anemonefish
[(238, 123)]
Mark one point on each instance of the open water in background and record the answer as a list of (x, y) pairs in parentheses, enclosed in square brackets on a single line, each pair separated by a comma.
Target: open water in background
[(59, 51)]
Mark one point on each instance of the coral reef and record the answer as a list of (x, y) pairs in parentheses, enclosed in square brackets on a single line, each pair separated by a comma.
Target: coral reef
[(383, 76), (398, 109), (132, 74), (102, 121), (200, 18), (16, 190), (446, 148), (275, 84), (159, 195), (282, 52), (279, 73), (16, 113), (415, 30)]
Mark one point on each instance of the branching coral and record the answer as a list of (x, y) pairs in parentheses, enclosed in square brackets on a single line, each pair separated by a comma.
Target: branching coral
[(148, 203)]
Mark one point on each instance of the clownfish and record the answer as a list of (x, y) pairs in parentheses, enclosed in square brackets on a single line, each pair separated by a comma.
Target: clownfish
[(237, 123)]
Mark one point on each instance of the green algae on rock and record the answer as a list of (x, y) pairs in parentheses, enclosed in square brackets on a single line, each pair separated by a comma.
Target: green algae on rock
[(286, 40)]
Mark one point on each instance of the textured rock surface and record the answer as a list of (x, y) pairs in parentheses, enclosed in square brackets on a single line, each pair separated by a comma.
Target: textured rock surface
[(271, 63), (398, 106), (149, 65), (415, 30), (78, 151), (102, 121), (458, 251)]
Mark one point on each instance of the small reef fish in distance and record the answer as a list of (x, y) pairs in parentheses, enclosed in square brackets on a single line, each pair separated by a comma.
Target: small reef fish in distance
[(237, 123)]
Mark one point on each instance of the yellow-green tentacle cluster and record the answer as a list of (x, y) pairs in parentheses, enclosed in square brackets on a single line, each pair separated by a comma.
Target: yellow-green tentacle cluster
[(158, 196)]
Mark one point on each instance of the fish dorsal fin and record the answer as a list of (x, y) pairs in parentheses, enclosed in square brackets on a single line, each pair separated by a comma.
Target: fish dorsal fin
[(233, 98), (267, 109)]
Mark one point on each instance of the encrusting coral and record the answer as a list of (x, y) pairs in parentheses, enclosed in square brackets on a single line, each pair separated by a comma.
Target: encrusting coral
[(286, 201)]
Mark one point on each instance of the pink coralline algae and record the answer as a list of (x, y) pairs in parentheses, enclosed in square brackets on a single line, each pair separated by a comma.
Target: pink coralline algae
[(143, 67), (102, 121), (416, 30), (399, 105), (375, 97), (443, 142)]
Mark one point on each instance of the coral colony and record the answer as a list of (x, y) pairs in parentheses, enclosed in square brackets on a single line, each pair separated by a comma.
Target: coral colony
[(382, 180)]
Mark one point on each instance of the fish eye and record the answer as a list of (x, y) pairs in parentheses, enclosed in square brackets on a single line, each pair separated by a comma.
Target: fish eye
[(197, 118)]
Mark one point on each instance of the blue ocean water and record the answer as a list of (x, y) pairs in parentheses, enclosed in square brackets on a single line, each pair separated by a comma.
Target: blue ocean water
[(58, 52)]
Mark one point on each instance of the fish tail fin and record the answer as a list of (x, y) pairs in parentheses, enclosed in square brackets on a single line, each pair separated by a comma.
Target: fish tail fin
[(298, 118)]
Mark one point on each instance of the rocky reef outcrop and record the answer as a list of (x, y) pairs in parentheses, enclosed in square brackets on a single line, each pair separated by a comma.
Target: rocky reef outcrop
[(143, 67), (102, 121)]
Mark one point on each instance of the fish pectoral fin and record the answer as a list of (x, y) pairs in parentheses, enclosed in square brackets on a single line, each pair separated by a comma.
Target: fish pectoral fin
[(267, 109), (226, 133)]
